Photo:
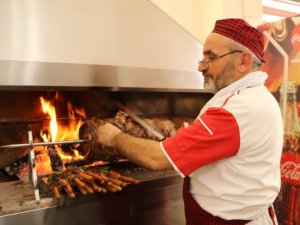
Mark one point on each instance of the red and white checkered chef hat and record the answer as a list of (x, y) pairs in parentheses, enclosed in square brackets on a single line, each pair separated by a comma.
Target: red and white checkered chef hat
[(239, 30)]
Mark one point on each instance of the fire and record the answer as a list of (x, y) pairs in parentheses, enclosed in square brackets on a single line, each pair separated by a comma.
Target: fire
[(50, 110), (56, 131)]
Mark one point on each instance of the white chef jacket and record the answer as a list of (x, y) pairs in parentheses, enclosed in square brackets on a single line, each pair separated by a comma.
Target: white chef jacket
[(232, 151)]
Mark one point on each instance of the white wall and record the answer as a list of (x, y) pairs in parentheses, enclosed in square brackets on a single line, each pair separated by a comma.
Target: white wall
[(199, 16)]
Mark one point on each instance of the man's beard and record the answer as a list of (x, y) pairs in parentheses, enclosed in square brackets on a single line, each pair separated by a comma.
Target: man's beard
[(210, 84), (215, 84)]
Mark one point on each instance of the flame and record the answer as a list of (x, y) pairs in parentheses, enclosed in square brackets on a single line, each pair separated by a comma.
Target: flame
[(61, 132), (48, 108)]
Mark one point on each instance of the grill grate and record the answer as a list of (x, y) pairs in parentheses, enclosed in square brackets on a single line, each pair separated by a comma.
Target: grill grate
[(5, 178)]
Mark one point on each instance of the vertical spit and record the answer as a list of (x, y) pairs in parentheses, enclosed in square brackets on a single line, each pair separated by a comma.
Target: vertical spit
[(32, 168)]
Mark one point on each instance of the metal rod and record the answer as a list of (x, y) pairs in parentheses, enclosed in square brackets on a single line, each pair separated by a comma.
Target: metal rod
[(33, 144), (141, 122), (146, 126), (32, 167)]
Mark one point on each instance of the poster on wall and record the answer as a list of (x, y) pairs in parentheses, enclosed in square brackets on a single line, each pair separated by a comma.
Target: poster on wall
[(282, 56)]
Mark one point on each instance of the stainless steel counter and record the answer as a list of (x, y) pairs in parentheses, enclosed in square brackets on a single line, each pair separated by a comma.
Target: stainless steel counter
[(156, 201)]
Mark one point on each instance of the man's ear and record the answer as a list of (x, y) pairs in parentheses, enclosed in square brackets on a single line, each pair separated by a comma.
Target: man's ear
[(245, 62)]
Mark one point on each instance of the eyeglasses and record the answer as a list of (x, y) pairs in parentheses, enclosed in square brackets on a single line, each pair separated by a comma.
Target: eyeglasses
[(205, 62)]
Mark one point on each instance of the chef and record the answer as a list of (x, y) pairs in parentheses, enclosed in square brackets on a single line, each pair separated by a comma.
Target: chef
[(230, 155)]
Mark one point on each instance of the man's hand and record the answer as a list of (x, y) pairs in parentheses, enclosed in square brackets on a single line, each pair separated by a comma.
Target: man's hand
[(146, 153), (107, 133)]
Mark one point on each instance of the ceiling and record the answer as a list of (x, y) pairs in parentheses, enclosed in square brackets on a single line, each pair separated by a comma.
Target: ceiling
[(274, 10)]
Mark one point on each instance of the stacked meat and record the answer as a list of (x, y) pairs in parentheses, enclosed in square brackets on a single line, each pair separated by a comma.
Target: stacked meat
[(126, 124), (93, 150)]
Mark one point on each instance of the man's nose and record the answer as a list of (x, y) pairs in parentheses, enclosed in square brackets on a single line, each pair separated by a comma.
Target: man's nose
[(202, 67)]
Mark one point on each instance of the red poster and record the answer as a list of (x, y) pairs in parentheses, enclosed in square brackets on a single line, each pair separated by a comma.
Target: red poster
[(282, 56)]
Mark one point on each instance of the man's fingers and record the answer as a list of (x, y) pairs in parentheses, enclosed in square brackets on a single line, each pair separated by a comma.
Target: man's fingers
[(107, 133)]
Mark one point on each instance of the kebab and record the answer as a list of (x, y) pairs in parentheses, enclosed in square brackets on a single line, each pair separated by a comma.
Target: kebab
[(93, 150), (86, 181)]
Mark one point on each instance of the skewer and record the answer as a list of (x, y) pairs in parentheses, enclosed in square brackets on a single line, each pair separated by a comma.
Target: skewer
[(140, 121), (32, 167), (33, 144)]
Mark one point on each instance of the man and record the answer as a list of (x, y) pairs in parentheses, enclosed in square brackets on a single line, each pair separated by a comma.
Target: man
[(230, 155)]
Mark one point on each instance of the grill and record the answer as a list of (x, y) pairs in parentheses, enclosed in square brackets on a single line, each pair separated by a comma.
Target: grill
[(157, 197)]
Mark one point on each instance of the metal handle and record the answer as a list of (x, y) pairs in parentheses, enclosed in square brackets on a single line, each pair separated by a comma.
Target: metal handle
[(141, 122), (33, 144)]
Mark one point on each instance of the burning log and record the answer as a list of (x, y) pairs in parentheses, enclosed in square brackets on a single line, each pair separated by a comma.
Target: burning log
[(95, 151), (56, 162), (15, 135), (84, 181), (16, 167)]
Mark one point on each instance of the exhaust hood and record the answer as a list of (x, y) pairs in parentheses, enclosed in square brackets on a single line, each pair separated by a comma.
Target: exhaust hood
[(94, 43)]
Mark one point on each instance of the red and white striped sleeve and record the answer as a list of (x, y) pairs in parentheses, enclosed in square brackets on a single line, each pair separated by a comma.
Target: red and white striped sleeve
[(212, 136)]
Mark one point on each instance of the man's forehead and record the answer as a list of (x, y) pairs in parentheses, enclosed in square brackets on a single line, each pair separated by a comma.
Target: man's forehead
[(215, 42)]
